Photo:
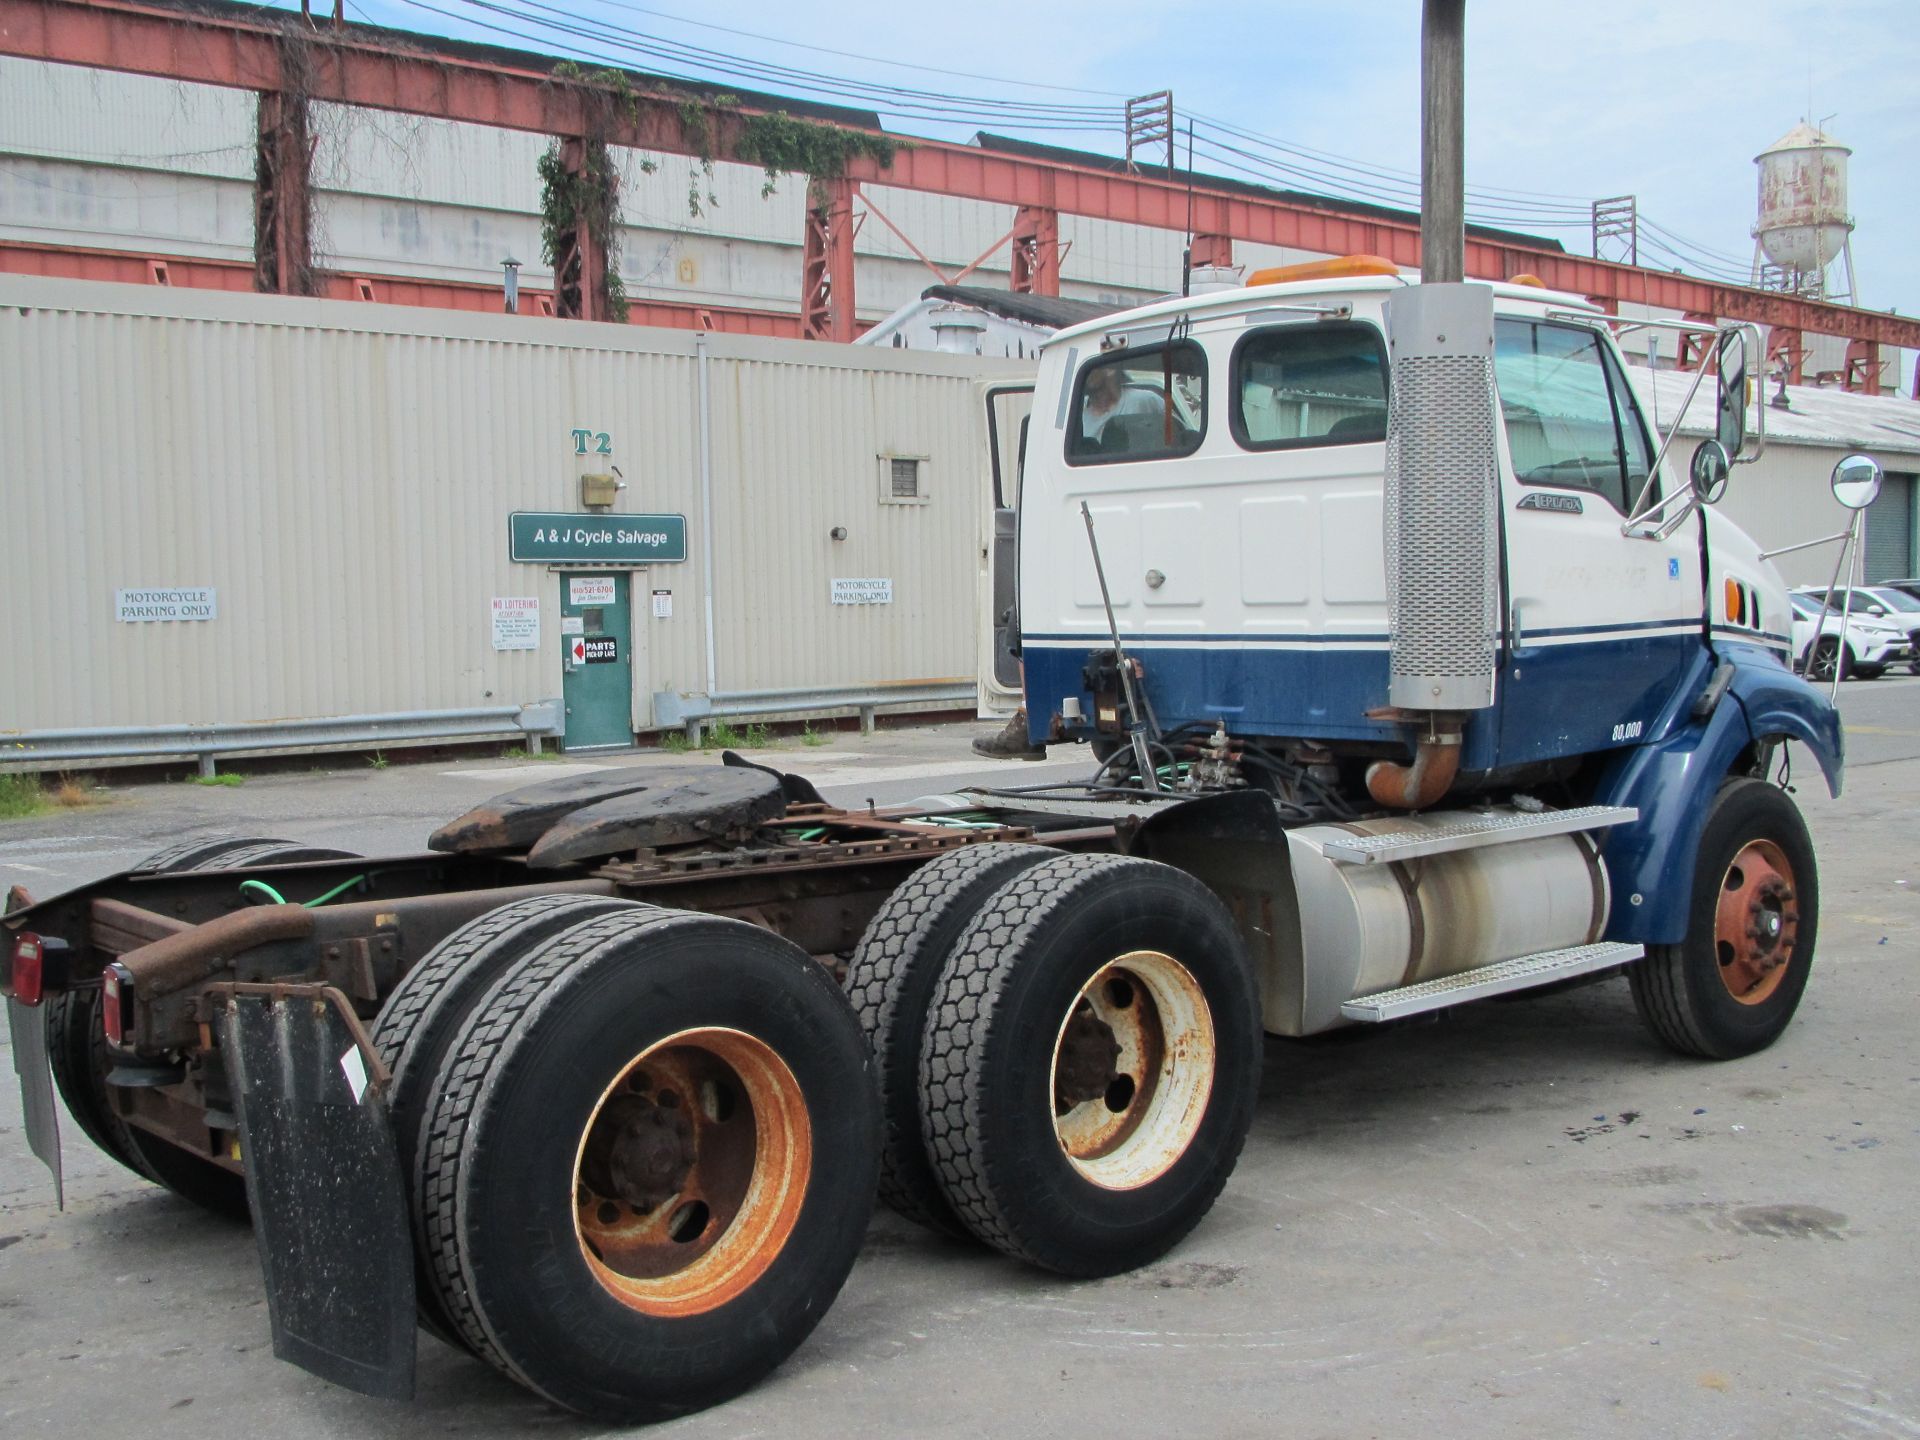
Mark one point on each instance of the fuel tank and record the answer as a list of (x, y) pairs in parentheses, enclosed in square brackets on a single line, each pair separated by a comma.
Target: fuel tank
[(1371, 927)]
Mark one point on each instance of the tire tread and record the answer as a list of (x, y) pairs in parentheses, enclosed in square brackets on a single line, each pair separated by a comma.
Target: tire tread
[(894, 956), (959, 1026), (448, 1137)]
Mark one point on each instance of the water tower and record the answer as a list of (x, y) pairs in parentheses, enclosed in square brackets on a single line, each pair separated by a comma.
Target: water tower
[(1804, 226)]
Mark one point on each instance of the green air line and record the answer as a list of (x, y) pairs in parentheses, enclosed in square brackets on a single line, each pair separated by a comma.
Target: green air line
[(344, 885), (261, 887), (812, 834)]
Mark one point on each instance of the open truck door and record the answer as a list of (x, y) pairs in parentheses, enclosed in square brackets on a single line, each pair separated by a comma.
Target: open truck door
[(1007, 408)]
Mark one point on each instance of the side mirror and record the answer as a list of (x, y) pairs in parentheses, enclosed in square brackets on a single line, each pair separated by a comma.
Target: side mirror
[(1856, 481), (1730, 402), (1708, 470)]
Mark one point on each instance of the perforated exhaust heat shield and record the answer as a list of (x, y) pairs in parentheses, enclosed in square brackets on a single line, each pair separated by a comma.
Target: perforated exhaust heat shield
[(1442, 498)]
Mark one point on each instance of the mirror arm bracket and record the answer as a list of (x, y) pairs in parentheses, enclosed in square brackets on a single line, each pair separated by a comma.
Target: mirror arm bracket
[(1760, 430), (1805, 545), (1645, 524)]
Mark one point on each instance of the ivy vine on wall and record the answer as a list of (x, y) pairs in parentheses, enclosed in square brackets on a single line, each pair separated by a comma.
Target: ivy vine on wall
[(779, 143)]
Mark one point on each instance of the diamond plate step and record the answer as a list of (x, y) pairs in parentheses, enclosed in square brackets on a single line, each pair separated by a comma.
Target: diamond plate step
[(1497, 979), (1472, 833)]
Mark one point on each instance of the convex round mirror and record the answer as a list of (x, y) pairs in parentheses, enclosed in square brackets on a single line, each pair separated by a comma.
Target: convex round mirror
[(1708, 470), (1856, 481), (1730, 407)]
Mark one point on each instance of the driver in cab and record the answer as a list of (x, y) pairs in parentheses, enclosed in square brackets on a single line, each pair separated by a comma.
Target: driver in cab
[(1109, 398)]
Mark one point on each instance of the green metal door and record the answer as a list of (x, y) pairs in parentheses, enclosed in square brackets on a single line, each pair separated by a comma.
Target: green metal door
[(595, 641)]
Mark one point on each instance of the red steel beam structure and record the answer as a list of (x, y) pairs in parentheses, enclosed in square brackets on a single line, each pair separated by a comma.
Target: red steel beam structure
[(356, 68), (826, 267), (283, 198), (126, 268), (1036, 251)]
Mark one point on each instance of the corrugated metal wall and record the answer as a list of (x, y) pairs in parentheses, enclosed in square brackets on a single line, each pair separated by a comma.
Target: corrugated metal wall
[(130, 162), (342, 476)]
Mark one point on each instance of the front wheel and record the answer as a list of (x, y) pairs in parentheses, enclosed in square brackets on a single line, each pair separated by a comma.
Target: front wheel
[(1825, 656), (1732, 985)]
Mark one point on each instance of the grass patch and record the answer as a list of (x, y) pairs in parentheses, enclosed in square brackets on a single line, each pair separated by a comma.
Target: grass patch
[(226, 777), (76, 792), (724, 736), (721, 736), (378, 760), (520, 752), (811, 736), (21, 797)]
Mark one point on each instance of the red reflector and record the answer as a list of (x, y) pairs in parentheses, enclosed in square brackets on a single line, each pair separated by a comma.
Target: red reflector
[(29, 975), (116, 1003)]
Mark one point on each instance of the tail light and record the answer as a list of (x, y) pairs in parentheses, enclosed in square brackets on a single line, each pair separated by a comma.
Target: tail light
[(116, 1003), (29, 977)]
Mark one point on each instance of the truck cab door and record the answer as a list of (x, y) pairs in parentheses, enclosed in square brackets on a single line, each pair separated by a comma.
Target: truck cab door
[(1008, 409), (1600, 627)]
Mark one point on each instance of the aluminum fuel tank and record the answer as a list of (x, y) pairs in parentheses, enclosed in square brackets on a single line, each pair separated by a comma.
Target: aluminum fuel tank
[(1371, 927)]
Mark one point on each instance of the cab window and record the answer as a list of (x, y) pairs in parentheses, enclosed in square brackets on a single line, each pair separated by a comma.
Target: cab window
[(1571, 421), (1148, 404), (1301, 385)]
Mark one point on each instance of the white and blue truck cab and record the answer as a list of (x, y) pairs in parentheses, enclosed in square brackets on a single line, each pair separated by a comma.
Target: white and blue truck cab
[(1410, 562), (1418, 674)]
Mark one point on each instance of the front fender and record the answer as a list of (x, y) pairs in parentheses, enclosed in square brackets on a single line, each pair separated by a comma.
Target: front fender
[(1778, 702), (1650, 863)]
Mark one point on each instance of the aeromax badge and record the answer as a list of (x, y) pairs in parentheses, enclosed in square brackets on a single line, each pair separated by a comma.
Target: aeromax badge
[(1540, 500)]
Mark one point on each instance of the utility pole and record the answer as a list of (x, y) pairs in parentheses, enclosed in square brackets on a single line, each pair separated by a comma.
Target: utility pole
[(1443, 86)]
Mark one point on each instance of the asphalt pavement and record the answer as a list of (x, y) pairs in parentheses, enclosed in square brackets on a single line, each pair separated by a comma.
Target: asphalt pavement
[(1516, 1219)]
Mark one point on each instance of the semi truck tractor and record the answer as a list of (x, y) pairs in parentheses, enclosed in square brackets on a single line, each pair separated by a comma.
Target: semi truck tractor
[(1414, 667)]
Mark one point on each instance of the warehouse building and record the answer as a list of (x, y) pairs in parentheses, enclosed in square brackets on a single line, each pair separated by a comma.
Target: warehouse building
[(295, 508), (1782, 498)]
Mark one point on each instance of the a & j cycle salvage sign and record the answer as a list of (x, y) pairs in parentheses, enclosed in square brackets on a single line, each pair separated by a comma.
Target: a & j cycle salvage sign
[(556, 538)]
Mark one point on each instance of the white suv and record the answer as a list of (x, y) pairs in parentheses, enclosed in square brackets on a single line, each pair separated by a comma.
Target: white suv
[(1870, 643)]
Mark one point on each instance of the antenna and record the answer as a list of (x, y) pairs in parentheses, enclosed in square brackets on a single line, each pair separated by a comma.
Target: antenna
[(1186, 255)]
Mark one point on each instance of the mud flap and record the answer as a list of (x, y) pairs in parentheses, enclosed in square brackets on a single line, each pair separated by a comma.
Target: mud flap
[(323, 1180), (27, 1028)]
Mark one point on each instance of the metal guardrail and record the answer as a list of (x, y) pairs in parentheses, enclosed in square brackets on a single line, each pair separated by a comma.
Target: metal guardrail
[(28, 749), (695, 713)]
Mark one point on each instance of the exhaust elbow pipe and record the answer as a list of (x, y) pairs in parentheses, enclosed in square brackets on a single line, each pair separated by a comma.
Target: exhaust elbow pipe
[(1436, 762)]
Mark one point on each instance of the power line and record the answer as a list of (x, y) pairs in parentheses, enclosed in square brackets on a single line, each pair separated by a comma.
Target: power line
[(937, 104), (855, 55), (1694, 245), (1374, 185), (1265, 159), (1395, 179)]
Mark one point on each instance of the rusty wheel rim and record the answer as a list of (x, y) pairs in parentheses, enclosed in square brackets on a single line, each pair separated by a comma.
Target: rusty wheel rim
[(1132, 1070), (1756, 922), (690, 1172)]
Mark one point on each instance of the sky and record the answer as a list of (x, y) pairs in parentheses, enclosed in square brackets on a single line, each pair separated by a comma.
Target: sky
[(1666, 100)]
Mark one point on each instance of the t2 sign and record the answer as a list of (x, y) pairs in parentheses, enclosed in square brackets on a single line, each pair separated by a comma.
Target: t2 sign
[(592, 442)]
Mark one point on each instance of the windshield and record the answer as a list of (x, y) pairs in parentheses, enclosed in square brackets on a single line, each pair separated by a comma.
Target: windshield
[(1894, 599)]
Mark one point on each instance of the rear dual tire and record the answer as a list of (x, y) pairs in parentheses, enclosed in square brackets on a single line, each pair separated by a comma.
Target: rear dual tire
[(1090, 1063), (648, 1162), (891, 981), (418, 1023)]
